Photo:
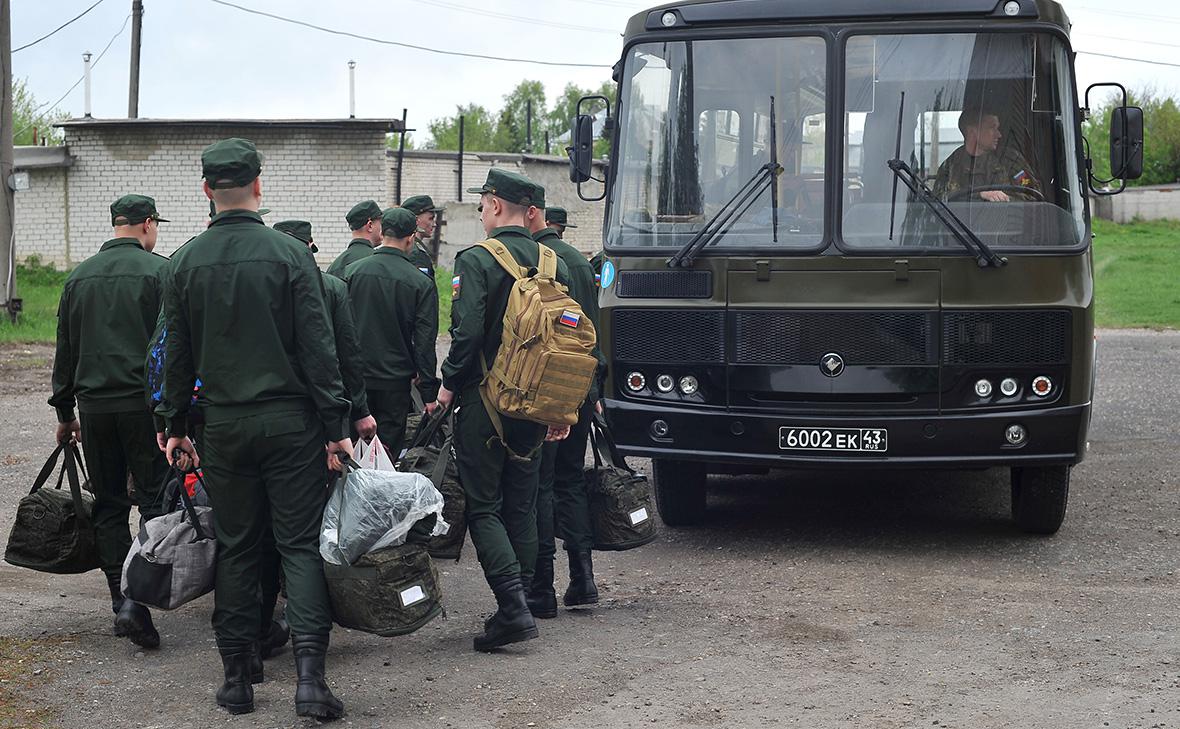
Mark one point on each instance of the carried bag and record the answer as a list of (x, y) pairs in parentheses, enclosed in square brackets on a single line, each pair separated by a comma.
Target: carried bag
[(438, 464), (544, 366), (622, 510), (53, 529), (173, 559), (387, 592), (373, 455)]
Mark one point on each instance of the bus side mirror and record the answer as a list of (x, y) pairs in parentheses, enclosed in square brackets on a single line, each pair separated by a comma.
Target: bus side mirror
[(1126, 143), (581, 149)]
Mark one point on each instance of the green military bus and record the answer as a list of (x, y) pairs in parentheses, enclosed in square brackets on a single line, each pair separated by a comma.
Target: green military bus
[(849, 234)]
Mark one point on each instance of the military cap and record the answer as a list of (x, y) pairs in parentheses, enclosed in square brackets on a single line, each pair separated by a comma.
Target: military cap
[(231, 162), (362, 213), (510, 186), (134, 209), (538, 196), (300, 229), (398, 223), (419, 204), (559, 216)]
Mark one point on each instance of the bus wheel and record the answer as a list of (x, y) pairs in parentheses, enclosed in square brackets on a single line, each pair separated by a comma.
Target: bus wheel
[(680, 491), (1039, 496)]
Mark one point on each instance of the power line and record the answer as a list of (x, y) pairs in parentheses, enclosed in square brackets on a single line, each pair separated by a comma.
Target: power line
[(1126, 58), (1130, 40), (47, 35), (514, 18), (399, 44), (1124, 14)]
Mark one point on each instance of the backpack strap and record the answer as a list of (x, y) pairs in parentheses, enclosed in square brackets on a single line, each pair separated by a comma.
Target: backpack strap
[(498, 423), (547, 262), (503, 256)]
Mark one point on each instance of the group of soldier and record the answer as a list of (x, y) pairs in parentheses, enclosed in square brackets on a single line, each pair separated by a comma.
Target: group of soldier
[(294, 364)]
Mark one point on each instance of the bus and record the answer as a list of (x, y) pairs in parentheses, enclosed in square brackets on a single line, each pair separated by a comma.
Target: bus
[(850, 235)]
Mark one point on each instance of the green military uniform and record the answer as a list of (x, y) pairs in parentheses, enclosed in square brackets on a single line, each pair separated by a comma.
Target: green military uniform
[(396, 311), (420, 254), (962, 171), (244, 307), (358, 248), (501, 491), (108, 310)]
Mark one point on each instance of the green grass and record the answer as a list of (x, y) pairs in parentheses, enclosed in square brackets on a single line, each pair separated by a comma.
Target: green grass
[(1136, 271), (442, 279), (39, 286)]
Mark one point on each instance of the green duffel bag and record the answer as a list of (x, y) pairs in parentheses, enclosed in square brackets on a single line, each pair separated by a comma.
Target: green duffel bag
[(388, 592), (53, 531), (622, 509), (438, 464)]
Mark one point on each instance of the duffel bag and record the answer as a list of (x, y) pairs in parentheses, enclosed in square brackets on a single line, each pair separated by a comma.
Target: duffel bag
[(438, 464), (53, 530), (387, 592), (621, 505), (173, 559)]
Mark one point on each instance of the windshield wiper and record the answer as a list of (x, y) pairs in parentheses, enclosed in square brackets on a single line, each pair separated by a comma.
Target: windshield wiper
[(723, 219), (984, 255)]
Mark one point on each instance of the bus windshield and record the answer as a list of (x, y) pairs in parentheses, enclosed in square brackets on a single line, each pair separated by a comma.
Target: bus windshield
[(985, 120), (699, 121)]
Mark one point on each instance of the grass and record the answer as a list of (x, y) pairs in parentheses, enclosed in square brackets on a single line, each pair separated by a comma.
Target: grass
[(442, 279), (40, 288)]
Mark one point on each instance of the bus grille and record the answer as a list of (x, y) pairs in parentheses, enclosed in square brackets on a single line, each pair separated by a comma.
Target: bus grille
[(665, 285), (683, 335), (860, 337), (1006, 337)]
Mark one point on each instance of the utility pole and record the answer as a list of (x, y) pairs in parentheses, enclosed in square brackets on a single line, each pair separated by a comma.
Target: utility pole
[(133, 88), (7, 201)]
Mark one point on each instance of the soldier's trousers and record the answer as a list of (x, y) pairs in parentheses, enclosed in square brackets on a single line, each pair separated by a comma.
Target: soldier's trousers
[(389, 408), (563, 503), (115, 444), (501, 491), (268, 464)]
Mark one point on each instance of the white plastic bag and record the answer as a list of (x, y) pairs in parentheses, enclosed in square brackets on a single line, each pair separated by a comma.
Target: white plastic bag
[(371, 509), (372, 455)]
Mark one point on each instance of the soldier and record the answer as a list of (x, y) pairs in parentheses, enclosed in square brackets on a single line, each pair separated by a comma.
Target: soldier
[(562, 499), (105, 320), (558, 220), (977, 164), (244, 306), (365, 221), (499, 476), (423, 207), (396, 310)]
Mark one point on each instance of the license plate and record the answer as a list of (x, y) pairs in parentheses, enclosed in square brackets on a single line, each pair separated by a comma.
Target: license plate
[(853, 440)]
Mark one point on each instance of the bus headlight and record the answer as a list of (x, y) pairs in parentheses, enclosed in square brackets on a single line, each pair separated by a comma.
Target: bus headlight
[(983, 388), (689, 385), (1042, 386), (665, 383), (636, 382)]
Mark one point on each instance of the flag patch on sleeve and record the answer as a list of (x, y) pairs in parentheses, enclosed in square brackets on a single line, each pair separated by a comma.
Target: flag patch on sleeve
[(1021, 178), (456, 284), (570, 319)]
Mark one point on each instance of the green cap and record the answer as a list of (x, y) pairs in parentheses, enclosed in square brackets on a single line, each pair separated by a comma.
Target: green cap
[(362, 213), (538, 196), (231, 162), (559, 216), (419, 204), (300, 229), (134, 209), (399, 223), (510, 186)]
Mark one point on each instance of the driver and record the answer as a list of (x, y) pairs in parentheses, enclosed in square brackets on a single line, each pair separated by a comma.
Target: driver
[(978, 164)]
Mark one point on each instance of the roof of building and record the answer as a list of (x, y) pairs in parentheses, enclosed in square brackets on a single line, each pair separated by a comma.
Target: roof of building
[(386, 125)]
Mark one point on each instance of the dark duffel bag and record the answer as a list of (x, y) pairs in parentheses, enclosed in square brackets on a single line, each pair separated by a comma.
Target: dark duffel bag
[(438, 464), (392, 591), (417, 422), (53, 531), (622, 509)]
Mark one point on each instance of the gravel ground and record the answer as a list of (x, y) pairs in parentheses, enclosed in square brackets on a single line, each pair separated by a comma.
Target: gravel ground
[(814, 599)]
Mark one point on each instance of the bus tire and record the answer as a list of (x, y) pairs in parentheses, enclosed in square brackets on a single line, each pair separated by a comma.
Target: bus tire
[(1039, 498), (681, 492)]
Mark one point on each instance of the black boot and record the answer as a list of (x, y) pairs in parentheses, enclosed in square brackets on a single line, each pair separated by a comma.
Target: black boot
[(135, 621), (236, 694), (582, 590), (276, 637), (542, 599), (512, 622), (257, 673), (312, 695), (116, 601)]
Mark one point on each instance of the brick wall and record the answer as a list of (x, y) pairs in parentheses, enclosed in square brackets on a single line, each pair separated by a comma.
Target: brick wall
[(40, 216)]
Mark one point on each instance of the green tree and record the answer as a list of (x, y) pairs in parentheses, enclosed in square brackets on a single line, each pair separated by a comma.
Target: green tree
[(479, 130), (512, 129), (28, 120), (1161, 136), (565, 108)]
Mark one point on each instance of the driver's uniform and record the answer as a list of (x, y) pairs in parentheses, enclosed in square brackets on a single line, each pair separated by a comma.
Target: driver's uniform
[(961, 172)]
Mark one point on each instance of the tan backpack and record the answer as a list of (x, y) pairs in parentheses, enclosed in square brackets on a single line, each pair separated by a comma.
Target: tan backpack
[(544, 367)]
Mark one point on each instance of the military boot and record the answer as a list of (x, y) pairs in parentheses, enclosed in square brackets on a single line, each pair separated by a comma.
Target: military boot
[(542, 598), (512, 622), (113, 584), (135, 622), (312, 695), (257, 671), (276, 637), (236, 694), (582, 590)]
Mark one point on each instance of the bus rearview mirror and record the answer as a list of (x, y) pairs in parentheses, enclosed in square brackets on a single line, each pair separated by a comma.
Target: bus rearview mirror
[(581, 149), (1126, 142)]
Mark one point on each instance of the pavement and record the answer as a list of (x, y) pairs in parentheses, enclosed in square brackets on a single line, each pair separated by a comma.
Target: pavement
[(811, 598)]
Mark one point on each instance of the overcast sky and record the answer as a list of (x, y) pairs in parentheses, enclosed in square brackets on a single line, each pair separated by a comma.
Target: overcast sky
[(205, 60)]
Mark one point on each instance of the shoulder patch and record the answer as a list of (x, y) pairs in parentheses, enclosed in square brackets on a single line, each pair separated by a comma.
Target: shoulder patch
[(456, 285)]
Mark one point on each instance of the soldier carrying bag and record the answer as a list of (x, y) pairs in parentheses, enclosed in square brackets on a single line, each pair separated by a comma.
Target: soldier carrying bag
[(621, 504), (53, 531), (545, 366), (438, 464)]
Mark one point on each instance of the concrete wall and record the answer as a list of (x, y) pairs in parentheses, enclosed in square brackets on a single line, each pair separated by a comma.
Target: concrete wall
[(1156, 202)]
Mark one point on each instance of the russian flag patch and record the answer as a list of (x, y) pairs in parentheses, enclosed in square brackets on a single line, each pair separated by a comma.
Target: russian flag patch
[(570, 319), (456, 284)]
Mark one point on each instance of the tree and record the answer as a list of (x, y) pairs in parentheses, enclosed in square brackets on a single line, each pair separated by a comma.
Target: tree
[(512, 129), (479, 130), (565, 108), (1161, 136), (28, 120)]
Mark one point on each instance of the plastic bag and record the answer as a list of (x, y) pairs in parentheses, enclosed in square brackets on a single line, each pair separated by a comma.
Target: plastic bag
[(372, 455), (371, 509)]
